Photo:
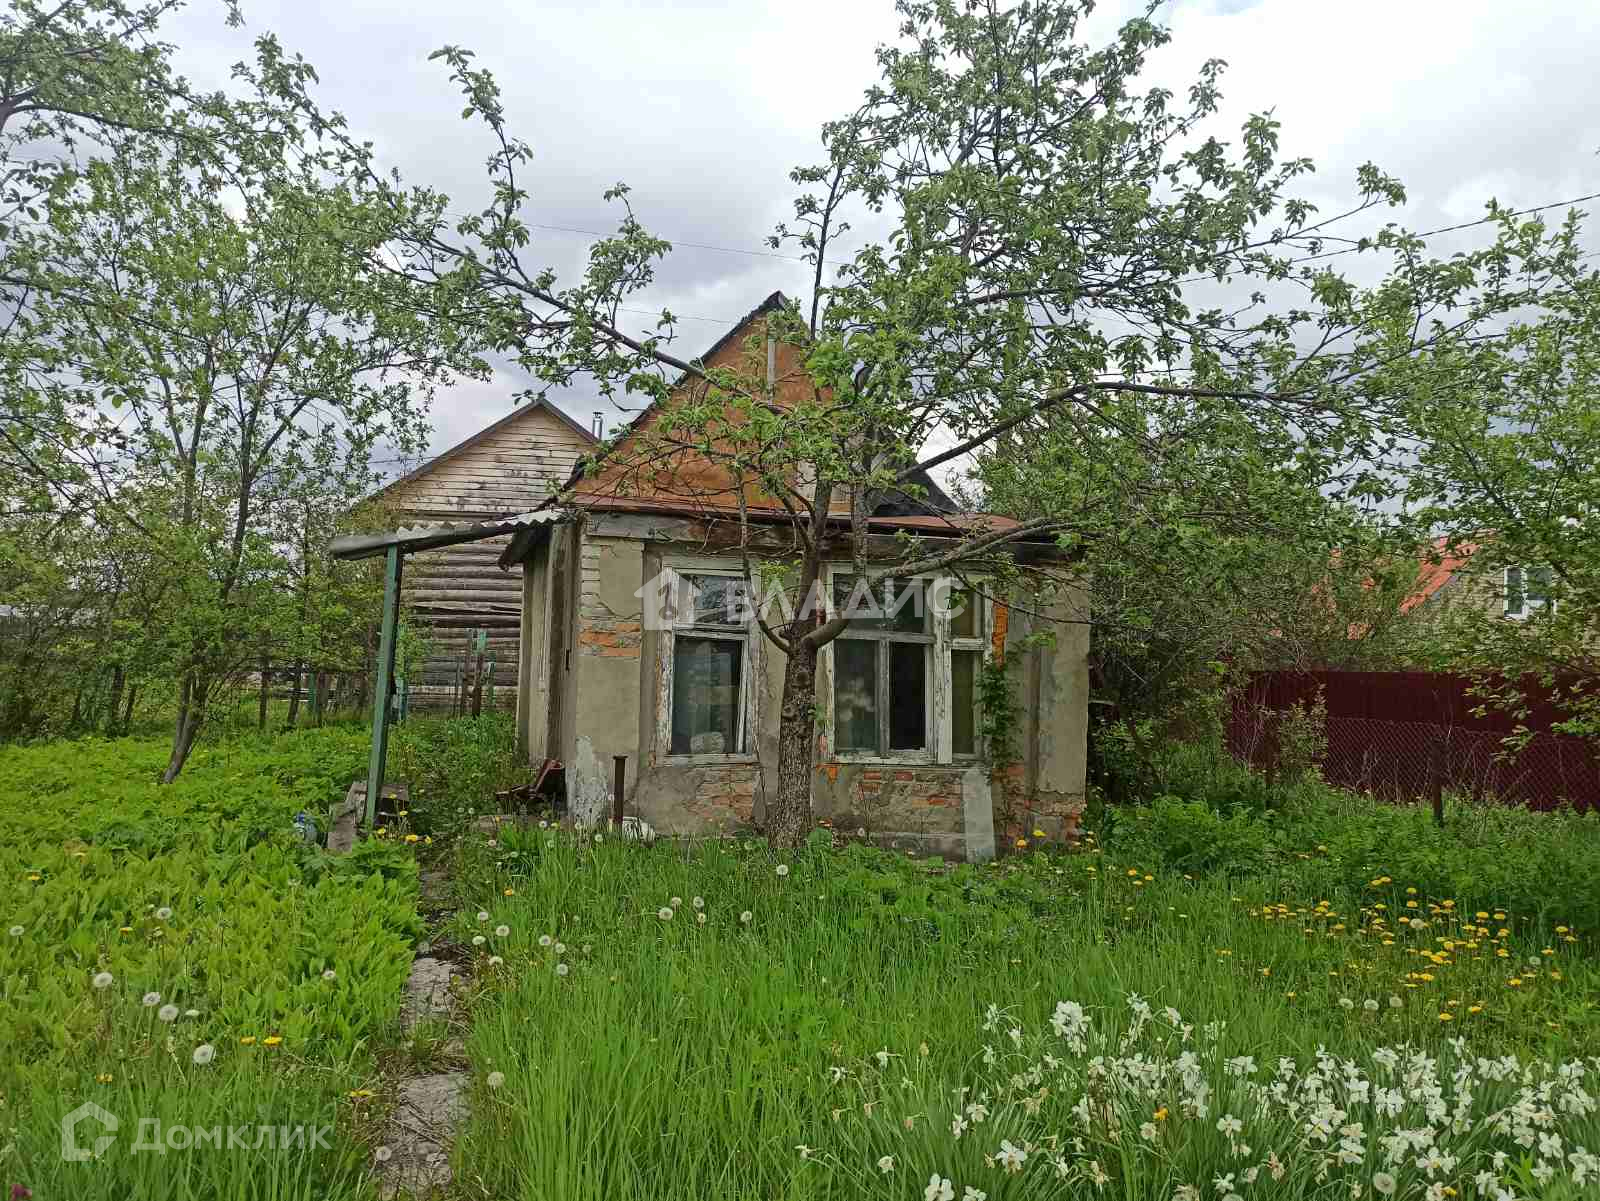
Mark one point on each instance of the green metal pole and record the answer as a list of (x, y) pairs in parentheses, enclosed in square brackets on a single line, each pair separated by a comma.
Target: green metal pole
[(380, 703)]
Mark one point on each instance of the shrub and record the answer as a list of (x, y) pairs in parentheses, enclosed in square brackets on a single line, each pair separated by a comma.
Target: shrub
[(1191, 838), (454, 767)]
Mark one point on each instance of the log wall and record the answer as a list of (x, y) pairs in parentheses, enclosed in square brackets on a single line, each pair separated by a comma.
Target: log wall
[(509, 467)]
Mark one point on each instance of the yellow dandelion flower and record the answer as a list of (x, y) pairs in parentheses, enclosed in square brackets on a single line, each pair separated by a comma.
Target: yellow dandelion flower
[(103, 1078), (247, 1041), (511, 892), (1445, 1017), (271, 1040)]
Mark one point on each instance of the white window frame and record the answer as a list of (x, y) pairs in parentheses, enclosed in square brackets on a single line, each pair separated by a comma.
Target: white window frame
[(938, 692), (1524, 608), (751, 663)]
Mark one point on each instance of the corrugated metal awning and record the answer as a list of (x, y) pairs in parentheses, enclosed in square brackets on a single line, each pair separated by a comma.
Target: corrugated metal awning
[(436, 534)]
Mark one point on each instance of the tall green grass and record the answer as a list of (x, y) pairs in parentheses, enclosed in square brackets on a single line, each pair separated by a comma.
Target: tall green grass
[(681, 1058)]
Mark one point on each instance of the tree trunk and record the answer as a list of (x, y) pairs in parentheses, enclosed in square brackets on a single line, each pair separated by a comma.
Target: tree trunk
[(192, 695), (319, 699), (261, 705), (789, 811), (119, 680), (127, 709), (295, 679)]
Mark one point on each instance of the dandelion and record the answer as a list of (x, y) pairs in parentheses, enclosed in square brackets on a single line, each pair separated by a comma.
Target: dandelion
[(664, 913), (700, 918), (502, 931), (676, 902), (248, 1040), (164, 913), (886, 1164), (168, 1013), (511, 892), (562, 969), (495, 961), (191, 1013), (1395, 1003), (272, 1040), (104, 1078), (382, 1154), (545, 940), (203, 1054), (150, 1000), (698, 902), (939, 1189), (478, 940), (496, 1079), (561, 948), (783, 870), (1370, 1005), (1383, 1183), (746, 918), (16, 931), (483, 915), (1011, 1158)]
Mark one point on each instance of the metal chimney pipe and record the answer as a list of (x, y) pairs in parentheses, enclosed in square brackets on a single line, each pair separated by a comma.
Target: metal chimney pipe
[(598, 428)]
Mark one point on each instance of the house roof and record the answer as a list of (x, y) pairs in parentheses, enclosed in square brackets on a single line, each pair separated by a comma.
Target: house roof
[(516, 414), (771, 304), (1436, 569)]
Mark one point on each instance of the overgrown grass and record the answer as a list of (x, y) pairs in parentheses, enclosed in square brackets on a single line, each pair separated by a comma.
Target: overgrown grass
[(141, 922), (622, 1051)]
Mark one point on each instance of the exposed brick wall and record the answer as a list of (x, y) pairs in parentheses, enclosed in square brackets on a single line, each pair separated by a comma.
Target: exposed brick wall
[(601, 630)]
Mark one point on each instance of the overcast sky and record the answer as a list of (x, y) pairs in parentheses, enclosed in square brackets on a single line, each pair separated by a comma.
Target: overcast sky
[(703, 107)]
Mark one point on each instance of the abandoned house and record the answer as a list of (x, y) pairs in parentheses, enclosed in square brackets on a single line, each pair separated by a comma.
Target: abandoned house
[(508, 466), (689, 695)]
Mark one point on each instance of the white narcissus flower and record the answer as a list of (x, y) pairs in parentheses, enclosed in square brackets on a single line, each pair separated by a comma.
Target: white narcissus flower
[(882, 1057), (974, 1194), (939, 1189), (886, 1164), (746, 918), (1011, 1158)]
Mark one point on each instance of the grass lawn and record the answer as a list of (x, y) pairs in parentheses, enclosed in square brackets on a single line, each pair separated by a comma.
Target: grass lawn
[(179, 954), (719, 1022)]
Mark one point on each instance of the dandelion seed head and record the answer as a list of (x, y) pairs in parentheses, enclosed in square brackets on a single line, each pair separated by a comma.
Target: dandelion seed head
[(203, 1054), (150, 1000), (168, 1013), (502, 931), (495, 1079)]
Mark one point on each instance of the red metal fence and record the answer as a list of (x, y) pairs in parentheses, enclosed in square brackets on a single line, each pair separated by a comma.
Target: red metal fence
[(1402, 735)]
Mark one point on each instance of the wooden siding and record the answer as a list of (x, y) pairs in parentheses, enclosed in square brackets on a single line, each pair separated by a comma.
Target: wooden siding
[(511, 467)]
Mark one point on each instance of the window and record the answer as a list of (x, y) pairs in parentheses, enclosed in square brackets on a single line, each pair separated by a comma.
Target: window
[(909, 642), (1526, 589), (708, 667)]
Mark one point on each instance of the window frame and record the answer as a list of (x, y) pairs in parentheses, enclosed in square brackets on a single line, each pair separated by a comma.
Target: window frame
[(750, 664), (1527, 605), (938, 691)]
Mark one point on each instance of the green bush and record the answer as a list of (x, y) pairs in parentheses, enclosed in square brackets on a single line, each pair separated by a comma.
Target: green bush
[(1192, 838), (454, 766)]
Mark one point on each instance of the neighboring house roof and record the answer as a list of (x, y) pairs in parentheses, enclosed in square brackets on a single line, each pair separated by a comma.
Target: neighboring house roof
[(1436, 569), (517, 414)]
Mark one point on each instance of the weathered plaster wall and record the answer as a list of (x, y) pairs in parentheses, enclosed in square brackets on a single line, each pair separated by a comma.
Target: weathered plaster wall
[(612, 687), (605, 664)]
